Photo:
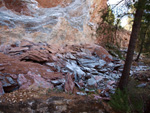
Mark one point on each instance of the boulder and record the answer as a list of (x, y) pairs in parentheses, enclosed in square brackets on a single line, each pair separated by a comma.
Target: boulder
[(36, 56), (99, 51), (32, 81)]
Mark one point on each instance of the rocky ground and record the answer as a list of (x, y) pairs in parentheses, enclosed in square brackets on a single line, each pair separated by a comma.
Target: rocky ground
[(38, 77), (50, 101)]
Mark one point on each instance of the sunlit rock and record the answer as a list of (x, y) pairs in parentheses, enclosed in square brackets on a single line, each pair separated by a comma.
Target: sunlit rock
[(52, 21)]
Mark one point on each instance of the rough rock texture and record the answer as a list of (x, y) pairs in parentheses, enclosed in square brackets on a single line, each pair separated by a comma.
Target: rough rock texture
[(32, 81), (1, 89), (27, 85), (50, 66), (53, 3), (20, 6), (53, 21), (70, 68), (49, 102)]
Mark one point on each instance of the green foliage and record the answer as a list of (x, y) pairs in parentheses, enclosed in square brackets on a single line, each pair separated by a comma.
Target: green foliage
[(130, 100), (119, 101), (108, 17), (136, 101), (144, 35), (115, 51)]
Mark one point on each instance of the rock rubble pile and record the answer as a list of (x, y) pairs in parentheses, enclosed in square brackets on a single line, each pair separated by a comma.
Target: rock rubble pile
[(70, 68)]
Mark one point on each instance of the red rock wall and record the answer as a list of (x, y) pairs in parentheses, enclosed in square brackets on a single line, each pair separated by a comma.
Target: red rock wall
[(108, 34), (21, 6), (63, 27), (16, 5), (53, 3)]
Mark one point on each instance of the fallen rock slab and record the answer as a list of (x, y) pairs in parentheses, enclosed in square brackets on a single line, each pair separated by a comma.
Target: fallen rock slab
[(1, 89), (32, 81), (35, 56)]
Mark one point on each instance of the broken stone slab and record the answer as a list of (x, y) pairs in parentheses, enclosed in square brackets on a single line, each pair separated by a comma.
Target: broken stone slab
[(88, 63), (99, 51), (142, 85), (86, 69), (114, 75), (32, 81), (53, 76), (70, 56), (26, 43), (60, 87), (9, 84), (92, 82), (2, 68), (89, 90), (98, 78), (52, 65), (58, 81), (36, 56), (17, 50), (110, 64), (104, 70), (81, 93), (52, 48), (80, 84), (102, 63), (94, 73), (69, 84), (118, 66), (1, 89), (72, 67)]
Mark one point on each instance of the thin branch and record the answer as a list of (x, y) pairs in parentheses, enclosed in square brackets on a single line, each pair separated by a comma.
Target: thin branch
[(117, 4)]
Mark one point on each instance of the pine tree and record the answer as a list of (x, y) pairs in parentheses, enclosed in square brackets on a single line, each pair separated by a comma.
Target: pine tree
[(134, 34)]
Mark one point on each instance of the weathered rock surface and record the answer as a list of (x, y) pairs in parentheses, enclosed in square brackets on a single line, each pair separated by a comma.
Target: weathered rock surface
[(52, 21), (1, 89), (69, 68), (52, 103), (27, 65), (32, 81), (80, 69)]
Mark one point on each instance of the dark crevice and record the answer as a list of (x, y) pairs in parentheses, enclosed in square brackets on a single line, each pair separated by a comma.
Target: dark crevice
[(33, 61)]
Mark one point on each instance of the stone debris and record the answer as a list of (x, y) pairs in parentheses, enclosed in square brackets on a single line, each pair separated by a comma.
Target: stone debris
[(1, 89), (81, 67), (69, 84), (32, 81)]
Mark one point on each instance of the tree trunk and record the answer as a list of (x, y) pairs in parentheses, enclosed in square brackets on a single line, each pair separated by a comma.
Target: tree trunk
[(134, 34), (141, 47)]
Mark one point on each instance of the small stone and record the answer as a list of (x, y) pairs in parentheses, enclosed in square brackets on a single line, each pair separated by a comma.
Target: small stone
[(91, 82), (142, 85), (80, 93), (58, 102)]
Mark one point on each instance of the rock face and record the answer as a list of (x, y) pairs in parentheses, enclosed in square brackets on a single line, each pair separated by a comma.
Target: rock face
[(53, 21)]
